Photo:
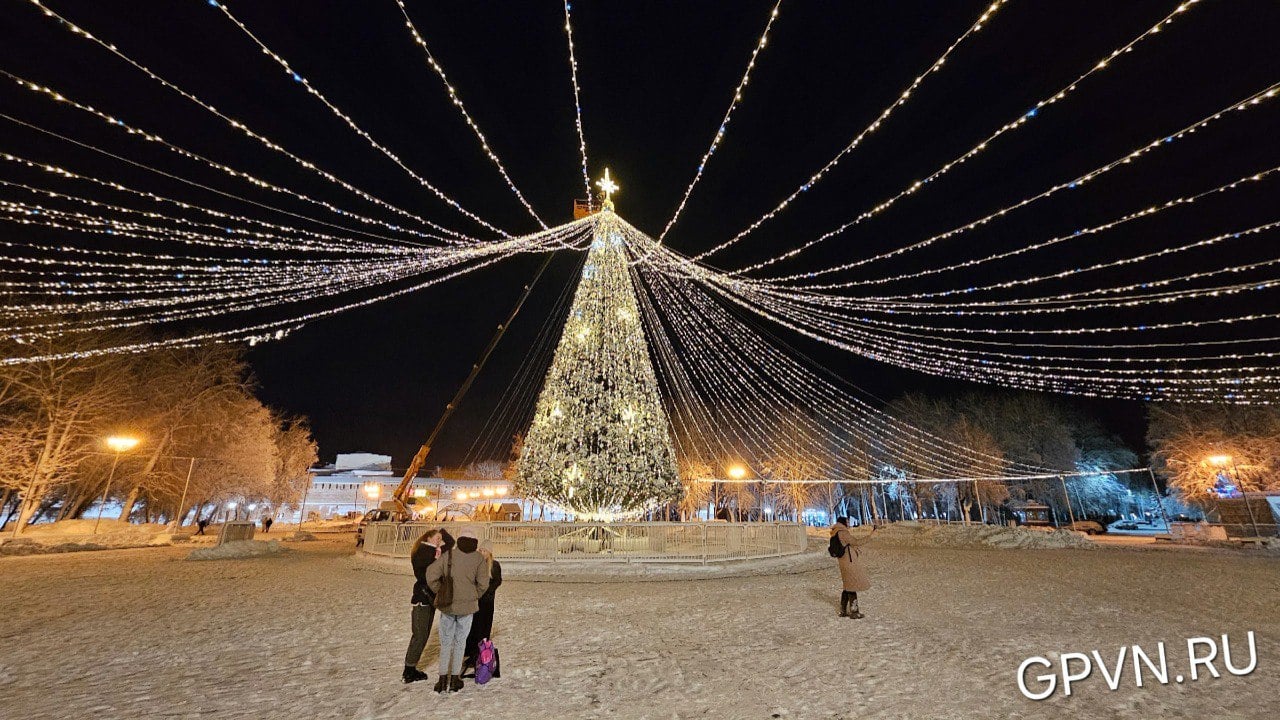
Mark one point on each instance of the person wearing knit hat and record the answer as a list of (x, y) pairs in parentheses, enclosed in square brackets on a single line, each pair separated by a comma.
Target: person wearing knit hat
[(467, 571)]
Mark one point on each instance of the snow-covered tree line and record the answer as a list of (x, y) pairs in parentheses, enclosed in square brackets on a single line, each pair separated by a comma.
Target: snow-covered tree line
[(1023, 428), (180, 403), (1205, 450)]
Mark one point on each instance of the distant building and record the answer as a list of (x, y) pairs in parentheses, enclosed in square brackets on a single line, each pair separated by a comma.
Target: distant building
[(357, 482), (1030, 512)]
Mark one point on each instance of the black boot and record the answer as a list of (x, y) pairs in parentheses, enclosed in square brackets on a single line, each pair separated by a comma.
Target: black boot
[(455, 683), (442, 684), (844, 604), (413, 674), (853, 610)]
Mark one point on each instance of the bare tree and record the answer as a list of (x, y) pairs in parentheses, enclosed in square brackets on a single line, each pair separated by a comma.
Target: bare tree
[(56, 413), (1199, 448)]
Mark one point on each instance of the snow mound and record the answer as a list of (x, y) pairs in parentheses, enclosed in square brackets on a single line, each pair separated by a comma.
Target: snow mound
[(995, 536), (72, 535), (300, 536), (237, 549)]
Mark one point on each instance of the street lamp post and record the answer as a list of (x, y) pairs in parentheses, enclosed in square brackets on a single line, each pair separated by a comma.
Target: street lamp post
[(190, 468), (119, 444)]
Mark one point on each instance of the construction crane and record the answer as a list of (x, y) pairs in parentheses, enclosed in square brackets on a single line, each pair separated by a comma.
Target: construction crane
[(402, 499)]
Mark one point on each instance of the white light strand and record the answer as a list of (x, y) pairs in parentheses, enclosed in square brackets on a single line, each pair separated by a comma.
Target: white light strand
[(112, 185), (899, 101), (457, 102), (1082, 232), (1247, 103), (1020, 121), (225, 235), (724, 122), (231, 121), (710, 333), (577, 100), (538, 242), (238, 198), (840, 332), (297, 77)]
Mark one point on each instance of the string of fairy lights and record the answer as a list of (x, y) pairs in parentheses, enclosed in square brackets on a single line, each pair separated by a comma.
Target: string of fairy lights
[(346, 119), (1249, 102), (577, 98), (1017, 123), (665, 363), (457, 102), (875, 125), (244, 129), (724, 123)]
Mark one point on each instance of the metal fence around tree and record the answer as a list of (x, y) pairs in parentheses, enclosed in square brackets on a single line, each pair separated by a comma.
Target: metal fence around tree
[(607, 542)]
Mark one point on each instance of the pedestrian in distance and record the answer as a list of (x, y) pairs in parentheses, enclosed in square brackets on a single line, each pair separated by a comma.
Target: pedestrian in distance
[(201, 524), (458, 578), (482, 623), (426, 550), (854, 579), (266, 523)]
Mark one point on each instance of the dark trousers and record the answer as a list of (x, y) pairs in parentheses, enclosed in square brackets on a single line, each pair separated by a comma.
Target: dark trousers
[(422, 616)]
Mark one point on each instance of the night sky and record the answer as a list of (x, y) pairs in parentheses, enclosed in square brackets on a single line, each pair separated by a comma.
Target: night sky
[(656, 79)]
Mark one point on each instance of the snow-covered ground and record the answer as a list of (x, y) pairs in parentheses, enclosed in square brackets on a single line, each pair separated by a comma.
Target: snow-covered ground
[(90, 534), (313, 633)]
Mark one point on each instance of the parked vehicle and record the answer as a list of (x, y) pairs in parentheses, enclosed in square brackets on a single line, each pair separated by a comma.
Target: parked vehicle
[(1088, 527), (1125, 525), (376, 515)]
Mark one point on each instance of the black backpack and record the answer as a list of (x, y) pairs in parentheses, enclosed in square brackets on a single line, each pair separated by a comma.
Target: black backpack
[(835, 548)]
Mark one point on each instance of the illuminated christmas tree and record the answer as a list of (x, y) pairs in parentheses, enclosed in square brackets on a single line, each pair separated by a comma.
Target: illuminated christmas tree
[(600, 444)]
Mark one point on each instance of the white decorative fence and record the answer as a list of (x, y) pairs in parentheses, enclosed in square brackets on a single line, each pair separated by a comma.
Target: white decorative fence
[(607, 542)]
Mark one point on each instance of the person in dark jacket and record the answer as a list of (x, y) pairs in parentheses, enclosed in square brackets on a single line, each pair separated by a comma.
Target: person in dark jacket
[(425, 550), (201, 524), (482, 623)]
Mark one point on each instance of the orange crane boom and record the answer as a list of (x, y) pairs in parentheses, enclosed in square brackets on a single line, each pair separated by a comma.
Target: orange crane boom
[(401, 498)]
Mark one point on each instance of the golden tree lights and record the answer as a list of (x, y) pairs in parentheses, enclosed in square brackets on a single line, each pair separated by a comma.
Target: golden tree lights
[(600, 444)]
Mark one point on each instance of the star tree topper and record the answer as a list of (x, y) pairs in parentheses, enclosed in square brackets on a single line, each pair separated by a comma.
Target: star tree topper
[(608, 187)]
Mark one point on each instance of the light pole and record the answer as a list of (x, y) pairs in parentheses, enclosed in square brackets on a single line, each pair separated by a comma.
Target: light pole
[(119, 444), (190, 468)]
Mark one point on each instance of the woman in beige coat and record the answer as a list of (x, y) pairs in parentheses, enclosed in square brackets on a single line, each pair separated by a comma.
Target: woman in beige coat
[(853, 574)]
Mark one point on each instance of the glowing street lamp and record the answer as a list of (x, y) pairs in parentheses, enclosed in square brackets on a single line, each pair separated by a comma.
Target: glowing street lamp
[(372, 491), (122, 443), (118, 444), (737, 472), (1223, 461)]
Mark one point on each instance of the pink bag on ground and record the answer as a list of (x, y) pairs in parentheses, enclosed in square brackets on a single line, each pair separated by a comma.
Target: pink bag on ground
[(486, 662)]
